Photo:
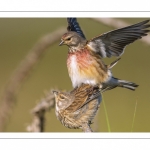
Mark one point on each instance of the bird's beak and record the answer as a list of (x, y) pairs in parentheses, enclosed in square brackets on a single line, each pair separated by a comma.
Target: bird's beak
[(61, 43), (55, 93)]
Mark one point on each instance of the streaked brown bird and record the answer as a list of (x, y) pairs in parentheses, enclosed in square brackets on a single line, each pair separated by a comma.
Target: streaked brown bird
[(77, 109), (84, 60)]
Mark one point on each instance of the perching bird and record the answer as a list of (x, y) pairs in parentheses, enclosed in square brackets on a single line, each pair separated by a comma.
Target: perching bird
[(77, 109), (84, 60)]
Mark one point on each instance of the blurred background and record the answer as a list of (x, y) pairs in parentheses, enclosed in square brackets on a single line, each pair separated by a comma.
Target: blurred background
[(19, 35)]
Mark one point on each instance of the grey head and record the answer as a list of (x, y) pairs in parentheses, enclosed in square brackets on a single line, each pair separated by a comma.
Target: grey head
[(73, 40)]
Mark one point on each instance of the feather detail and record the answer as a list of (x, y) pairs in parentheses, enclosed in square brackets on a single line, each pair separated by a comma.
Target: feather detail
[(74, 26), (86, 101), (114, 42), (85, 67)]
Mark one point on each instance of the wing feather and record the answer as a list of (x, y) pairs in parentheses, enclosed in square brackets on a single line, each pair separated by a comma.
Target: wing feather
[(73, 25), (83, 95), (114, 42)]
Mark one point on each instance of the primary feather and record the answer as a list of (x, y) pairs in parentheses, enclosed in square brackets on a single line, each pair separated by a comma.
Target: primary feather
[(74, 26)]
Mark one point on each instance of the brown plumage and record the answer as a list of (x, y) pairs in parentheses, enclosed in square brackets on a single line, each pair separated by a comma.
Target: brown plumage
[(76, 109)]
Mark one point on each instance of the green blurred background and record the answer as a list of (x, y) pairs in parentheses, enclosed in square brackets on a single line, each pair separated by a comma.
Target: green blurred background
[(18, 36)]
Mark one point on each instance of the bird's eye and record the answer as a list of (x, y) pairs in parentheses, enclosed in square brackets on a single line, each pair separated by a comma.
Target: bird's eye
[(62, 97), (68, 39)]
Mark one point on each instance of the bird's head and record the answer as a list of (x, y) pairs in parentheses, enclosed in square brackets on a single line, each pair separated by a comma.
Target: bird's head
[(62, 99), (73, 40)]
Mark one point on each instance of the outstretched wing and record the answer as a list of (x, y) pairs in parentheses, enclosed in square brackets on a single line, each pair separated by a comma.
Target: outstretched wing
[(74, 26), (114, 42)]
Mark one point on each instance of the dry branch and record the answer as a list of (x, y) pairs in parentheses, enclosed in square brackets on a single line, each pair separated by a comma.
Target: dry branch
[(22, 71), (86, 128), (38, 113), (117, 23)]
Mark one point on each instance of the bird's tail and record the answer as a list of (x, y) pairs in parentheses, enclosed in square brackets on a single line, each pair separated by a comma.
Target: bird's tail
[(127, 84), (115, 82)]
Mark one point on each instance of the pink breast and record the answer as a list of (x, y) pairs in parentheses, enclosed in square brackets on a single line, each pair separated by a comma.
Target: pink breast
[(83, 59)]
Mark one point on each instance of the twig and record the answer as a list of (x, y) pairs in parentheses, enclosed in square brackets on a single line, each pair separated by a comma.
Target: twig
[(38, 113), (86, 128), (17, 78), (117, 23)]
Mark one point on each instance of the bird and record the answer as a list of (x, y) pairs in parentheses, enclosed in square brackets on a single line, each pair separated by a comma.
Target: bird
[(76, 109), (84, 60)]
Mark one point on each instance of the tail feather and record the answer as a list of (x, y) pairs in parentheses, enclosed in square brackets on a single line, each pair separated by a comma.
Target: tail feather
[(127, 84), (115, 82)]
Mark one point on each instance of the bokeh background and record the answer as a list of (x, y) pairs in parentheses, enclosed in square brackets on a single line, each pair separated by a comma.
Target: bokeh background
[(18, 36)]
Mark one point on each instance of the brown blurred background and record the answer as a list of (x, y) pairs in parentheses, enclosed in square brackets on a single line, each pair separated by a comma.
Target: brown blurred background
[(18, 36)]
